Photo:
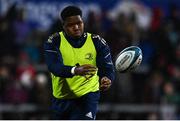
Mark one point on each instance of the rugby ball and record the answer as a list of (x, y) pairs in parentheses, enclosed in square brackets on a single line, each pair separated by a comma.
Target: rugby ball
[(128, 59)]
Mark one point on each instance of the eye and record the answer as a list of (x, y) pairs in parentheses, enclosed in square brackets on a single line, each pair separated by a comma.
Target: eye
[(70, 25), (79, 23)]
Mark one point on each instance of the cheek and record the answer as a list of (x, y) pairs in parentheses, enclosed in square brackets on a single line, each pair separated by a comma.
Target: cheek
[(82, 26), (68, 30)]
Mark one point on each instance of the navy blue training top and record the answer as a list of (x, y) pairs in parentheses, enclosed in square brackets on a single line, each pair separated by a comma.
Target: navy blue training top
[(54, 59)]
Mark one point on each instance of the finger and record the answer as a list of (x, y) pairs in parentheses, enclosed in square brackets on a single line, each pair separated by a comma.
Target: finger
[(104, 88), (104, 78), (106, 85), (88, 77), (105, 81), (93, 72), (90, 67), (90, 73)]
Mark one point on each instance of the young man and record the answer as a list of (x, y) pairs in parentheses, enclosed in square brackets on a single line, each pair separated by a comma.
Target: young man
[(80, 64)]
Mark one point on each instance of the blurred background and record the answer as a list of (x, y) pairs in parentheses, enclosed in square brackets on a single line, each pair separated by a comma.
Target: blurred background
[(152, 91)]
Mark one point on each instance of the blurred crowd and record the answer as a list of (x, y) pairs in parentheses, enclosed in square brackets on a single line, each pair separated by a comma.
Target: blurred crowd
[(24, 77)]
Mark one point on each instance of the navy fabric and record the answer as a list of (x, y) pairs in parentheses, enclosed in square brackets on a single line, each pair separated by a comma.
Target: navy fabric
[(83, 108), (54, 59)]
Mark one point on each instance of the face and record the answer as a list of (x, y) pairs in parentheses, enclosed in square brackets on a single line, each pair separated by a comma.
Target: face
[(74, 26)]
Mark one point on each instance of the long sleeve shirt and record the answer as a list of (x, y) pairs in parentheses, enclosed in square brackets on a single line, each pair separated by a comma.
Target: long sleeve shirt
[(54, 58)]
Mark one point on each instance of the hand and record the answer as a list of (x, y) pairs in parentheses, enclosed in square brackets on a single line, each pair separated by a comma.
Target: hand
[(105, 84), (86, 69)]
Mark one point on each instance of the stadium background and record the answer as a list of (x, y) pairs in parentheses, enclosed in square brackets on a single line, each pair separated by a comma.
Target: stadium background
[(152, 91)]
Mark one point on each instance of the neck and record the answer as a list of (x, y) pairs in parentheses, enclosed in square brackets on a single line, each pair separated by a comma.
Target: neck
[(76, 42), (72, 38)]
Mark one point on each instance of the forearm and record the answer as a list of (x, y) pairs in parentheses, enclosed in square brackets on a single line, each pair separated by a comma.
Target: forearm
[(105, 65), (103, 60), (60, 70), (107, 72)]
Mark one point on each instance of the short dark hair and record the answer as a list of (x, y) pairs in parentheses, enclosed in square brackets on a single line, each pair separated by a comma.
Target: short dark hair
[(70, 11)]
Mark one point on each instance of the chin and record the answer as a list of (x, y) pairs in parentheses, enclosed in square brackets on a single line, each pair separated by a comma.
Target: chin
[(77, 36)]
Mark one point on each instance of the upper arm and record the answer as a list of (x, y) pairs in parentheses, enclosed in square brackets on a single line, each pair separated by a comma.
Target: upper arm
[(53, 43), (103, 50), (51, 50), (54, 58), (103, 59)]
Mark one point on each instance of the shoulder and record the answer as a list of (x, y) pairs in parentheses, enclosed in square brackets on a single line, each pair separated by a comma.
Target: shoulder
[(53, 38), (98, 39)]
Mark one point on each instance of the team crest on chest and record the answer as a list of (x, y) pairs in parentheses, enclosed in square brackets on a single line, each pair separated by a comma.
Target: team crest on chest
[(89, 56)]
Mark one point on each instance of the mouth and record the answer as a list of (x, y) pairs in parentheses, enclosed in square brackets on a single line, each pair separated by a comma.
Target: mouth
[(78, 32)]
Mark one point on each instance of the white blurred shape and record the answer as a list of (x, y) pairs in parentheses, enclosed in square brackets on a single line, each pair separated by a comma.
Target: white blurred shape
[(41, 79), (26, 79), (127, 7)]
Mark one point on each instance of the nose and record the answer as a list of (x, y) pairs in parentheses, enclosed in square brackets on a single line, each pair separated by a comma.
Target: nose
[(76, 27)]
